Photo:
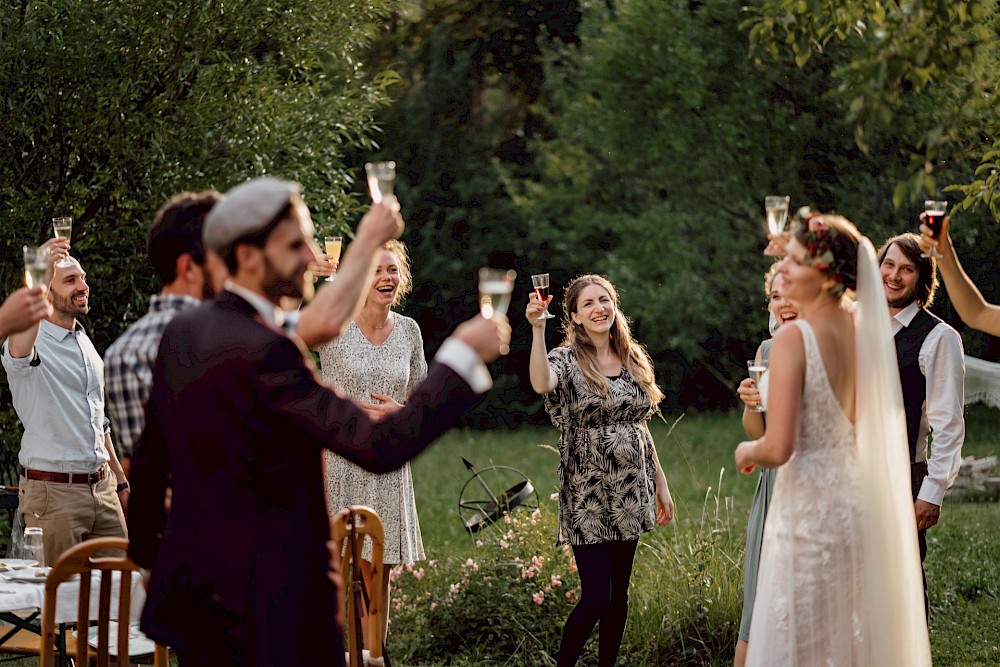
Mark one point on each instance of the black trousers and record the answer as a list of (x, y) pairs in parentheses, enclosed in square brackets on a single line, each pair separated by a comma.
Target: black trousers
[(605, 570), (917, 473)]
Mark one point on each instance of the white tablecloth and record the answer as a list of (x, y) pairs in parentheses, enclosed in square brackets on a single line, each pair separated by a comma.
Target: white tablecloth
[(28, 597)]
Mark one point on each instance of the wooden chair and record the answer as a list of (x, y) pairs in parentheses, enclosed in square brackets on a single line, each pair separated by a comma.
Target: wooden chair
[(350, 527), (80, 560)]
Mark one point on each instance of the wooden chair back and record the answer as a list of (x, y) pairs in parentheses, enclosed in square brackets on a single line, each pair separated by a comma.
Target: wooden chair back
[(350, 527), (81, 560)]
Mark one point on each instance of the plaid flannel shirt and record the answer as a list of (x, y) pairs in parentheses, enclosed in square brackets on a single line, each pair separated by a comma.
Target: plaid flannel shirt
[(128, 367)]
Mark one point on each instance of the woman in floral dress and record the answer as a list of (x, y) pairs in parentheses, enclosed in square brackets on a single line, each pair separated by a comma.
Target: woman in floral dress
[(600, 392), (378, 360)]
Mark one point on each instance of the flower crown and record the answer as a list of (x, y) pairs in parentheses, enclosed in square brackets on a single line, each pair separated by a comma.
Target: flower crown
[(818, 239)]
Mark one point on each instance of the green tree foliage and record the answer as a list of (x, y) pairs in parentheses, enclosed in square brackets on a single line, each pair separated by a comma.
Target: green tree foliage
[(471, 73), (110, 106), (901, 47), (667, 135)]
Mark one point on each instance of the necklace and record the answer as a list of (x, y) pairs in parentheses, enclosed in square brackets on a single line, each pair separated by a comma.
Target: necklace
[(384, 324)]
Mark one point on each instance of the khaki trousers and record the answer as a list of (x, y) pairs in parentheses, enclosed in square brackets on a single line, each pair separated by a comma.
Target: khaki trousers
[(71, 513)]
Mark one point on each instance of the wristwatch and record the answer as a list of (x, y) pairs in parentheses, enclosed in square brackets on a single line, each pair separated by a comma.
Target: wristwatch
[(122, 487)]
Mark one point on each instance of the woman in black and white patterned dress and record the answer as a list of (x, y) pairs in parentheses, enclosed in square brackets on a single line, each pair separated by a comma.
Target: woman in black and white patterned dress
[(600, 392), (377, 361)]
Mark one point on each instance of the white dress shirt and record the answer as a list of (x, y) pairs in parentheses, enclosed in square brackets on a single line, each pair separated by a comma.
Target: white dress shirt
[(943, 365)]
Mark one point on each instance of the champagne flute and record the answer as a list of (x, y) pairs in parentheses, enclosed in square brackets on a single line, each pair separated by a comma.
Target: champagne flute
[(334, 244), (495, 288), (36, 261), (540, 282), (776, 211), (62, 227), (757, 368), (934, 212), (381, 179)]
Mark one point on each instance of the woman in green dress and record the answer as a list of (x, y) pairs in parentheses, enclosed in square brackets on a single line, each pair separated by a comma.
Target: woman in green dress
[(781, 310)]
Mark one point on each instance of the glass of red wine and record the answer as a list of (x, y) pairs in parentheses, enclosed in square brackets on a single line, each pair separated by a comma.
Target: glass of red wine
[(934, 212), (540, 282)]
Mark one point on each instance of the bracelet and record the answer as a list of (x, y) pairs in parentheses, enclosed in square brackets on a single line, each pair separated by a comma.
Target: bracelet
[(122, 487)]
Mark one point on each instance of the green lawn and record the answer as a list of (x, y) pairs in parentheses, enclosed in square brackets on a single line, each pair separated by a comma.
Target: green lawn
[(963, 563), (687, 575)]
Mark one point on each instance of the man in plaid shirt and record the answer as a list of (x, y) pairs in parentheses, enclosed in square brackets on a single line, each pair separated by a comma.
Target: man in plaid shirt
[(176, 253)]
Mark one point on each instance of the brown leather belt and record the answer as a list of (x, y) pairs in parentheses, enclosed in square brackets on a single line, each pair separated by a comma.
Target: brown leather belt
[(67, 477)]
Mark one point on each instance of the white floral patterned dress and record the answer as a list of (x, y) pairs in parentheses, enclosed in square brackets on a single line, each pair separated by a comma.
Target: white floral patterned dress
[(360, 369)]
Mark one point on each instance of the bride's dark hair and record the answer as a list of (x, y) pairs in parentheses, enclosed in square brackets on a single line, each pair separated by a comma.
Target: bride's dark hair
[(831, 243)]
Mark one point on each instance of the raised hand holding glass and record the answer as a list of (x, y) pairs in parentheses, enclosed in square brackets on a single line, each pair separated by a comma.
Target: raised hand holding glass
[(540, 283)]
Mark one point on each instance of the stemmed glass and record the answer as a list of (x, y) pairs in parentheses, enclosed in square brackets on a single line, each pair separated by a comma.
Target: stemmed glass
[(540, 282), (62, 227), (495, 287), (757, 368), (381, 179), (934, 212), (776, 210), (333, 244), (36, 262)]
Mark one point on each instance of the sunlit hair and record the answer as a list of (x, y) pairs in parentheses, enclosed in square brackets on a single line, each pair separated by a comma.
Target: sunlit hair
[(927, 280), (769, 275), (398, 249), (634, 357), (831, 243)]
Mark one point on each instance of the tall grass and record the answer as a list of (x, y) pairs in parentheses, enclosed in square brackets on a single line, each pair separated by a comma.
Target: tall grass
[(686, 592)]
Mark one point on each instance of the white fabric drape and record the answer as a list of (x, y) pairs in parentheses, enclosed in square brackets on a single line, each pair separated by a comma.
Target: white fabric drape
[(982, 382), (897, 633)]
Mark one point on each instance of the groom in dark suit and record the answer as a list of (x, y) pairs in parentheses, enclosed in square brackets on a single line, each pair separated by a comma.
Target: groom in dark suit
[(236, 423)]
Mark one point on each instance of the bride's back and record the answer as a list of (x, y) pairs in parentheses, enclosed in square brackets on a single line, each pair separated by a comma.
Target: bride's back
[(834, 332)]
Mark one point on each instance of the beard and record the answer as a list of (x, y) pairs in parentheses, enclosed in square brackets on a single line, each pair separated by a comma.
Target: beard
[(902, 302), (278, 284), (65, 305)]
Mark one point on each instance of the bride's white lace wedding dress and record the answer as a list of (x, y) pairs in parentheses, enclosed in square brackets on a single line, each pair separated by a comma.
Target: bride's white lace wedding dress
[(813, 612), (839, 581)]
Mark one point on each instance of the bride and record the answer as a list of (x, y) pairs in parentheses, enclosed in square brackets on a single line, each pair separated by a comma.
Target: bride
[(839, 558)]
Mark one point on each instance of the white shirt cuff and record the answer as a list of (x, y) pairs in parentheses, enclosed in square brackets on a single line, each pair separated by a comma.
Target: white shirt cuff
[(462, 359), (931, 492)]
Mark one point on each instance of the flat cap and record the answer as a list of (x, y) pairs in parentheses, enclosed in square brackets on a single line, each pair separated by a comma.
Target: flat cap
[(246, 209)]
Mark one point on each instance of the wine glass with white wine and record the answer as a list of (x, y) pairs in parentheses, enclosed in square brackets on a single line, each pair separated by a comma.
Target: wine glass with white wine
[(62, 228), (776, 211), (495, 288), (381, 179), (333, 246), (36, 263)]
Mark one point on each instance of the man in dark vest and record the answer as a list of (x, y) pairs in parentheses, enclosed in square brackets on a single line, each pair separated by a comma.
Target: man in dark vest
[(932, 375)]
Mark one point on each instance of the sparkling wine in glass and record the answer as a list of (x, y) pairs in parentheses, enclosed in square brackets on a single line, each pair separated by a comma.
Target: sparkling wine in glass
[(776, 212), (334, 244), (62, 228), (540, 282), (757, 368), (934, 212), (381, 179), (495, 288), (36, 262)]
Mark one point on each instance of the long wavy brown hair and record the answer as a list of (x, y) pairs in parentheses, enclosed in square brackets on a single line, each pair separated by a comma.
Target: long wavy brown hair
[(634, 357)]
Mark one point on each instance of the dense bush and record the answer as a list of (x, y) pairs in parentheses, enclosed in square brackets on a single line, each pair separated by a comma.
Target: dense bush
[(504, 599)]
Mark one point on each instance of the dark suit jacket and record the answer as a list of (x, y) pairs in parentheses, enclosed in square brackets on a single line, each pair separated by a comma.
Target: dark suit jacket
[(236, 422)]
